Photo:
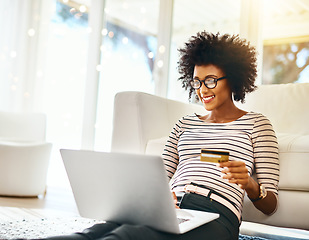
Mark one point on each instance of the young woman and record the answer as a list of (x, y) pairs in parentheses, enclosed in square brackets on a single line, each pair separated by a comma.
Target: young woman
[(217, 69)]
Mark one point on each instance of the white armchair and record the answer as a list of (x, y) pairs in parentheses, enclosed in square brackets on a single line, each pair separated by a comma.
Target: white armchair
[(24, 154), (143, 121)]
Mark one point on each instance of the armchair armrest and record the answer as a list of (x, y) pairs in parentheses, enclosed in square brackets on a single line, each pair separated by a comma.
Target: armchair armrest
[(139, 117)]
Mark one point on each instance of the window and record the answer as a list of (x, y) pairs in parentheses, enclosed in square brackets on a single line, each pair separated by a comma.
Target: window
[(127, 57), (286, 62), (64, 81), (286, 41)]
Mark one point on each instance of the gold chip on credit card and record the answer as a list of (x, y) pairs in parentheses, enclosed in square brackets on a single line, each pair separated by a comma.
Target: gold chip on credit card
[(214, 156)]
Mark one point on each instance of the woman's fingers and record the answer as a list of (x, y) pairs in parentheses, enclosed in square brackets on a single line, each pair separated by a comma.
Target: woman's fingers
[(235, 172), (175, 199)]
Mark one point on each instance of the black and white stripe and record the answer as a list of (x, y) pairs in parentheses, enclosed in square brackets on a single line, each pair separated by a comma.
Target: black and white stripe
[(250, 138)]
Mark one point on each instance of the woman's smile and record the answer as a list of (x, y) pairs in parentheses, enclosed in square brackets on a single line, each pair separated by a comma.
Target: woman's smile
[(207, 99)]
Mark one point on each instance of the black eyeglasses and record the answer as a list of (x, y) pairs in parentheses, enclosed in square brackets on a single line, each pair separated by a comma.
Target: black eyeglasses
[(209, 82)]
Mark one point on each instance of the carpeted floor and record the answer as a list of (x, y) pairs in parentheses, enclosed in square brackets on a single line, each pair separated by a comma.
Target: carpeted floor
[(244, 237), (40, 228), (35, 224)]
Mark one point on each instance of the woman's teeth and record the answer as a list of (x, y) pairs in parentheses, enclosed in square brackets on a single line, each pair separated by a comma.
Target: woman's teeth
[(207, 99)]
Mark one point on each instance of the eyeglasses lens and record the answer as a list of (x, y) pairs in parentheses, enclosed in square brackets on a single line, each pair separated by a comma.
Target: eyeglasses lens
[(196, 84), (210, 82)]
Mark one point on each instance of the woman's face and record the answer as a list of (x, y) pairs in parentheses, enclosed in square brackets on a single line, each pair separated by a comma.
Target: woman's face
[(218, 97)]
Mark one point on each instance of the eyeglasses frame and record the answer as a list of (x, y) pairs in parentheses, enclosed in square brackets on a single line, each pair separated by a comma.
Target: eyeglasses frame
[(203, 81)]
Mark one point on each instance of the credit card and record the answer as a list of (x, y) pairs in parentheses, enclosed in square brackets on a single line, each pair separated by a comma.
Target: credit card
[(214, 156)]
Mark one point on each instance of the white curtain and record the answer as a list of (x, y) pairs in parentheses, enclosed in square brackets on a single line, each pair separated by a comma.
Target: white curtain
[(24, 29)]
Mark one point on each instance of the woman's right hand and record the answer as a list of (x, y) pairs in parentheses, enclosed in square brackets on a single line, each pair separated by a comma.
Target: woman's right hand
[(175, 200)]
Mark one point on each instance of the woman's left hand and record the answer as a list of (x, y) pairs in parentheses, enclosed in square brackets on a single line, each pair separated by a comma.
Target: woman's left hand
[(236, 172)]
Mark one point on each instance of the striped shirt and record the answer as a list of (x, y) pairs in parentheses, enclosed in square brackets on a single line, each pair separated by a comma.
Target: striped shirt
[(250, 138)]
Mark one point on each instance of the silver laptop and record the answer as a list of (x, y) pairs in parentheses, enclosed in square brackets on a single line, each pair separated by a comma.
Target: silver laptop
[(127, 188)]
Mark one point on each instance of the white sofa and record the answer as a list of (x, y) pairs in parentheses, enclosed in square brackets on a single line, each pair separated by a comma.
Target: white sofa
[(24, 154), (142, 123)]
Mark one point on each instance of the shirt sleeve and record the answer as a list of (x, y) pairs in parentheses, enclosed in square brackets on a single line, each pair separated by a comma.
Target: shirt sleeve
[(265, 150), (170, 153)]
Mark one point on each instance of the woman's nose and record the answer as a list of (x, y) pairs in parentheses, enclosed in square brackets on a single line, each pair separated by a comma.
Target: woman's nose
[(203, 88)]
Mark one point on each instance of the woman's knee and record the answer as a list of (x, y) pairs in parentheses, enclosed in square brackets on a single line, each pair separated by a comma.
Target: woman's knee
[(133, 232), (99, 230)]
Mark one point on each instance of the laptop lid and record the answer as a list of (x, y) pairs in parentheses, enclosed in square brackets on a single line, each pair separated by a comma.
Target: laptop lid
[(124, 188)]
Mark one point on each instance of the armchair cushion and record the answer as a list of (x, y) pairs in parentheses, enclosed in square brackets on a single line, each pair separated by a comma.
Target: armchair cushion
[(24, 154), (23, 169), (294, 164), (156, 146)]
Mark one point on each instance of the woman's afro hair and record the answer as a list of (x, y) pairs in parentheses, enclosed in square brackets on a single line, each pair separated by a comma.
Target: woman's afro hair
[(233, 55)]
